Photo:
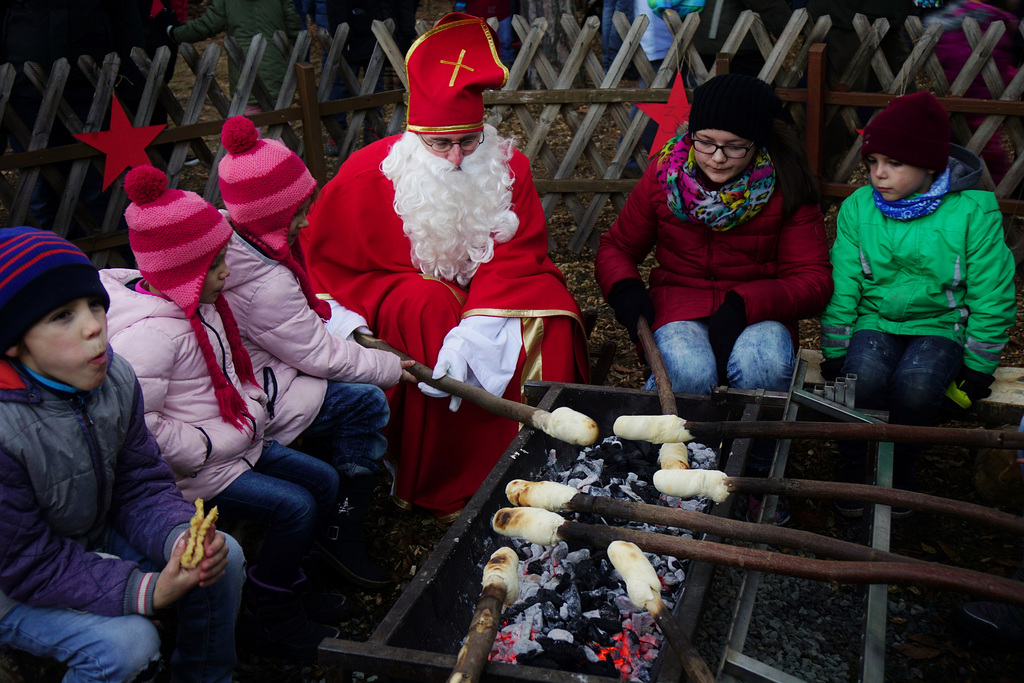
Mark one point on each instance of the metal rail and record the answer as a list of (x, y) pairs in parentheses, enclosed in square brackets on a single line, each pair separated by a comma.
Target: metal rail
[(737, 666)]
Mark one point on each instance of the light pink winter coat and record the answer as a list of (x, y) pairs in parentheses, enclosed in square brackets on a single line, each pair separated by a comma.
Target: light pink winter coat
[(152, 333), (290, 347)]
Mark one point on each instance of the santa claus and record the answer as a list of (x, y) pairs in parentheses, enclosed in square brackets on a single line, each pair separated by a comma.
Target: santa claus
[(437, 240)]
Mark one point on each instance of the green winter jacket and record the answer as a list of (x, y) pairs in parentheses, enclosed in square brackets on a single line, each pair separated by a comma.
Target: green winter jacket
[(243, 19), (947, 274)]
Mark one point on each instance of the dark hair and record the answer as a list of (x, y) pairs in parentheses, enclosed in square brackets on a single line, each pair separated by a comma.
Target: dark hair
[(793, 173)]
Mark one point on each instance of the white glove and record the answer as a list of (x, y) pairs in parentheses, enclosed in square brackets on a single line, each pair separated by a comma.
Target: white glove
[(343, 322), (449, 363), (488, 345)]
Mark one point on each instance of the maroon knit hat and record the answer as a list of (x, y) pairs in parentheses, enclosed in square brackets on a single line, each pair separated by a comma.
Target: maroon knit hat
[(913, 129), (263, 183), (175, 236)]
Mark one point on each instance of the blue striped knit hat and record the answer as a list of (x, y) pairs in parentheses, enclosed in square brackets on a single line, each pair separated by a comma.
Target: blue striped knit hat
[(40, 271)]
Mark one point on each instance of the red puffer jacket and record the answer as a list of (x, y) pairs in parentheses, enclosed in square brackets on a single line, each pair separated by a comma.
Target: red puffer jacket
[(780, 267)]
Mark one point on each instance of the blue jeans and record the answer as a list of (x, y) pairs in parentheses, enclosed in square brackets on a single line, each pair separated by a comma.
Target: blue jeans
[(287, 490), (505, 40), (762, 358), (905, 375), (99, 648), (350, 421), (611, 41)]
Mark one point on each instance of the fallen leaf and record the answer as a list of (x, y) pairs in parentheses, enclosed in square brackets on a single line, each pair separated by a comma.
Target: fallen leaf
[(919, 651)]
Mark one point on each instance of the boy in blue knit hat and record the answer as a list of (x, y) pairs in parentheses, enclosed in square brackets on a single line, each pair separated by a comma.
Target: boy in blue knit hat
[(92, 526)]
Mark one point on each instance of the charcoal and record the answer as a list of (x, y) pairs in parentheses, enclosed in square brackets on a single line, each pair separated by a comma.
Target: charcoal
[(600, 630), (573, 603), (551, 614)]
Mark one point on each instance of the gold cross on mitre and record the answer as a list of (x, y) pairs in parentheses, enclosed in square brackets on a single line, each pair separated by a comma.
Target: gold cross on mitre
[(458, 65)]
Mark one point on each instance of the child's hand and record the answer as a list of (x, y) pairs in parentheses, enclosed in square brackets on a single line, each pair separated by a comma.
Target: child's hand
[(215, 559), (174, 581), (407, 376)]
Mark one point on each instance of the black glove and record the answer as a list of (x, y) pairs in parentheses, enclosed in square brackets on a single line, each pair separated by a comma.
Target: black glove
[(724, 328), (973, 383), (832, 368), (629, 300), (162, 23)]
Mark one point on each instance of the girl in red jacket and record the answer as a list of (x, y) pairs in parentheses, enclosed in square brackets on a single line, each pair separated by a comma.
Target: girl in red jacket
[(731, 210)]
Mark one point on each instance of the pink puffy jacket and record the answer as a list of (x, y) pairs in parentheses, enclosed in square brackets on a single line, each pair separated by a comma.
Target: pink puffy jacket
[(152, 333), (290, 347)]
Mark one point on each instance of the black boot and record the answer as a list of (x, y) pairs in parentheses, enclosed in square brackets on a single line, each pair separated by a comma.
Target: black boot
[(274, 624), (323, 608), (342, 541)]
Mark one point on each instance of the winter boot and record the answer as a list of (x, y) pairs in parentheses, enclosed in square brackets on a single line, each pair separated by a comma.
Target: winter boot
[(274, 623), (323, 608), (342, 541)]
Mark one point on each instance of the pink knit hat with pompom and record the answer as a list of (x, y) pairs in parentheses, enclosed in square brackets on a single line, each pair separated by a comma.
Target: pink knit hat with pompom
[(263, 183), (175, 236)]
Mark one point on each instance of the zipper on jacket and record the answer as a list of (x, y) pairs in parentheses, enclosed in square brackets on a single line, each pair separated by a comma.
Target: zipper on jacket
[(77, 405), (220, 342)]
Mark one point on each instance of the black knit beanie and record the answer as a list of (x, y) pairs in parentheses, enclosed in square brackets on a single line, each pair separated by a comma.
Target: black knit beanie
[(742, 105)]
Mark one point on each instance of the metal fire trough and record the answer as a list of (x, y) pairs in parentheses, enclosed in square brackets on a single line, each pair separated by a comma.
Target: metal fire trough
[(420, 636)]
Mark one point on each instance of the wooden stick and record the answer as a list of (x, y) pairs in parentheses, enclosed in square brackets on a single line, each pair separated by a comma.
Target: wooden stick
[(644, 589), (671, 455), (694, 665), (859, 431), (769, 534), (500, 586), (574, 427), (805, 488), (547, 531), (658, 369)]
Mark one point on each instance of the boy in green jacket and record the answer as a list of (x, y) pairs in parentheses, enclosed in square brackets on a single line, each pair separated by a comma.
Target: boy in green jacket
[(923, 280)]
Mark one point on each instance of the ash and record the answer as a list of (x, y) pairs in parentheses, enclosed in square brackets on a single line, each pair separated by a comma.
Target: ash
[(573, 613)]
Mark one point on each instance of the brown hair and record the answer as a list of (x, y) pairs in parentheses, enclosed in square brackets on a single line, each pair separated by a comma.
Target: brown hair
[(793, 173)]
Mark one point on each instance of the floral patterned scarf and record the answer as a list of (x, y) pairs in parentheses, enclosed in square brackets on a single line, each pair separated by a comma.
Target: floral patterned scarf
[(733, 204)]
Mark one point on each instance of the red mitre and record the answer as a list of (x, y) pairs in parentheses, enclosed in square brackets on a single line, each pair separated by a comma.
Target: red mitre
[(449, 67)]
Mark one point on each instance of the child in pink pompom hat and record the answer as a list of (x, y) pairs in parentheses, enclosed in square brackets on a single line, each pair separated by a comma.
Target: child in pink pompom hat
[(322, 387), (206, 410)]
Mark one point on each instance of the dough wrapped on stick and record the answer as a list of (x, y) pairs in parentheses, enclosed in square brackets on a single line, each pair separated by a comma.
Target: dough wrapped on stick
[(532, 524), (644, 589), (564, 424), (692, 483), (674, 456), (500, 587), (547, 495), (642, 582), (199, 526), (652, 428)]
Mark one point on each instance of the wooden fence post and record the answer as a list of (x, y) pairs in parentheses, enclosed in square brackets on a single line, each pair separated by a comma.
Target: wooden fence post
[(311, 138), (815, 129)]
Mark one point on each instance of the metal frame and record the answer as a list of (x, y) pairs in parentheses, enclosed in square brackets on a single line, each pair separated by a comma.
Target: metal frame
[(736, 666)]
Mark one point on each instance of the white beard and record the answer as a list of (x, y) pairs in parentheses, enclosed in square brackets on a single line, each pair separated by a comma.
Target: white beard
[(452, 215)]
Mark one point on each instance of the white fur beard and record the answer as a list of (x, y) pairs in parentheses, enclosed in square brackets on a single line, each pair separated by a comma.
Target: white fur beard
[(452, 215)]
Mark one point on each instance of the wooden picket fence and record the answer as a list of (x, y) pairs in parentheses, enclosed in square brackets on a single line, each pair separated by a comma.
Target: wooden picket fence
[(544, 104)]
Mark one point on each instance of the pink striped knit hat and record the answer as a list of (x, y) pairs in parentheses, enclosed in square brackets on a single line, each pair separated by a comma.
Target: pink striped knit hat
[(175, 236), (263, 183)]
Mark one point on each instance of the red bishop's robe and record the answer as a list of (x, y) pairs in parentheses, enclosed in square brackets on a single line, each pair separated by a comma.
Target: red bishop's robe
[(357, 252)]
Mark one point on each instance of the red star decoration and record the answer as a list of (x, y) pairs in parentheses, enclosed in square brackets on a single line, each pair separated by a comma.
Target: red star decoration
[(668, 116), (124, 145)]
